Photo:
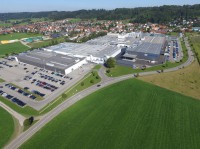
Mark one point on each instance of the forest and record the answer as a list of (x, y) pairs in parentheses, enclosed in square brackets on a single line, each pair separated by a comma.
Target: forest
[(161, 14)]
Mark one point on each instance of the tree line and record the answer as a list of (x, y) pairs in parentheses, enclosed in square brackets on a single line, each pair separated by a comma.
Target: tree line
[(161, 14)]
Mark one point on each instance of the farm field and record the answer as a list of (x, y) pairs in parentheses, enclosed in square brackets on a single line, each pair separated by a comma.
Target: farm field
[(16, 47), (129, 114), (6, 127), (14, 36)]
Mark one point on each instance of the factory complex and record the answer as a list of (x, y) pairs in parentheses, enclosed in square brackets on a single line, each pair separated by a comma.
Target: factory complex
[(128, 48)]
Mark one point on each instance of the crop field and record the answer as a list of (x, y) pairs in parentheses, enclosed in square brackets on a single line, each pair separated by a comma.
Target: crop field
[(14, 36), (16, 47), (129, 114), (6, 127)]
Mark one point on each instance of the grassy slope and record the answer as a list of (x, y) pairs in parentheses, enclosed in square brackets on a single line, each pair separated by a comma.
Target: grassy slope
[(196, 44), (6, 127), (130, 114), (185, 81), (16, 47), (17, 36)]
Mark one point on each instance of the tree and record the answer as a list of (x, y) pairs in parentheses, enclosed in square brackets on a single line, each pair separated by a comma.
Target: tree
[(111, 62), (91, 81), (29, 121), (108, 70)]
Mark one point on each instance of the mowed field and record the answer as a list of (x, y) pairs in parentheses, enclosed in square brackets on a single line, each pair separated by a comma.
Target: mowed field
[(14, 36), (6, 127), (128, 115), (16, 47), (185, 81)]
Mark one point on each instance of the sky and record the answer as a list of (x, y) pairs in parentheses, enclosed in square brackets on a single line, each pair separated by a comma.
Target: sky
[(70, 5)]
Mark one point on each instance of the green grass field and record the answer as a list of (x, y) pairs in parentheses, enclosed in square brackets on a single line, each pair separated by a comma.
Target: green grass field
[(14, 36), (6, 127), (130, 114), (16, 47)]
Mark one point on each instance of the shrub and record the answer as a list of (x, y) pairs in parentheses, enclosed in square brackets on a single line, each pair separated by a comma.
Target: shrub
[(91, 81), (108, 70), (82, 83), (64, 96)]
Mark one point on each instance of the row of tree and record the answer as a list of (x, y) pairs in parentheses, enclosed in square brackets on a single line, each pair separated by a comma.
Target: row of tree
[(160, 14)]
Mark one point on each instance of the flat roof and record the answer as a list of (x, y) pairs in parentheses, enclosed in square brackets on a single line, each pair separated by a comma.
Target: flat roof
[(151, 45), (99, 47), (50, 59)]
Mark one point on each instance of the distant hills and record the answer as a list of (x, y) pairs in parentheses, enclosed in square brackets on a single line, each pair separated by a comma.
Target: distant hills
[(159, 14)]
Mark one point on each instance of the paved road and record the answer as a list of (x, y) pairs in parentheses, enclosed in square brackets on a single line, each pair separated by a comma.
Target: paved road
[(18, 116), (66, 104)]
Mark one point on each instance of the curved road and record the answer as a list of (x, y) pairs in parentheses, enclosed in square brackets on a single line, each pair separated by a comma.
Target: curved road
[(17, 142)]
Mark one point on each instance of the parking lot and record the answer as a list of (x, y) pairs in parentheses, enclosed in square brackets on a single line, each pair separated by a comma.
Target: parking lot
[(33, 85)]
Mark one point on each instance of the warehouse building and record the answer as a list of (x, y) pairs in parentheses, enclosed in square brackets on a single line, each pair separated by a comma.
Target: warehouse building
[(51, 61), (150, 49)]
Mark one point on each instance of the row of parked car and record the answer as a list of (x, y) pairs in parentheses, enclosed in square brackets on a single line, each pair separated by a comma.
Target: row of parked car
[(5, 64), (52, 79), (20, 91), (44, 85), (13, 99), (38, 93)]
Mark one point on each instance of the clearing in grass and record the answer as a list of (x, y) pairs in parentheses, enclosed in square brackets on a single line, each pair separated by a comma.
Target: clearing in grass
[(129, 114)]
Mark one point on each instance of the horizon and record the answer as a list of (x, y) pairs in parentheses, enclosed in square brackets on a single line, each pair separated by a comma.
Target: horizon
[(38, 6)]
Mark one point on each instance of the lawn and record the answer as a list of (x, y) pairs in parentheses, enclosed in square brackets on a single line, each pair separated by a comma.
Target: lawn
[(14, 36), (6, 127), (129, 114), (16, 47)]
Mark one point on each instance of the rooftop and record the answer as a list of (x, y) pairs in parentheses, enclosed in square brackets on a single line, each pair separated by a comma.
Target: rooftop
[(151, 45), (51, 59), (98, 47)]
